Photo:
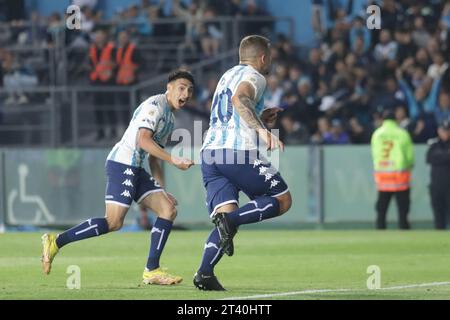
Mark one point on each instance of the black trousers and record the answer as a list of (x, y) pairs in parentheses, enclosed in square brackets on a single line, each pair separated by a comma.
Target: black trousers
[(105, 115), (403, 202), (440, 201)]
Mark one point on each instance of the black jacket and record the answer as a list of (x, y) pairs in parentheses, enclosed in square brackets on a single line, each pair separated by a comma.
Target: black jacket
[(438, 156)]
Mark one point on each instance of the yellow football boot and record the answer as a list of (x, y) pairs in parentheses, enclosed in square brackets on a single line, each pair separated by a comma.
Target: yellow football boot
[(49, 251), (160, 277)]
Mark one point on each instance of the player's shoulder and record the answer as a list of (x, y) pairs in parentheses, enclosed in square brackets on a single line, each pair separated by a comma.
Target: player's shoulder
[(252, 72), (156, 103), (256, 79)]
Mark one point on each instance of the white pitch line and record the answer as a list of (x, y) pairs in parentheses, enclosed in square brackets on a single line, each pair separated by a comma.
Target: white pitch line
[(293, 293)]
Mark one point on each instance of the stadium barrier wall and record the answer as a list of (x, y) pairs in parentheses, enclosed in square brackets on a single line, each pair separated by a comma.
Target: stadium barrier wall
[(2, 193), (58, 187)]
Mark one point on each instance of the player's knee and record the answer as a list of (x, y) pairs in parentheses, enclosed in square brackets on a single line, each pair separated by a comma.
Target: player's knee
[(114, 224), (285, 201), (169, 213)]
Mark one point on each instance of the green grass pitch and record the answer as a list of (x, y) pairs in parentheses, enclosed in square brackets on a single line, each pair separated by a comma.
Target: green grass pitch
[(414, 265)]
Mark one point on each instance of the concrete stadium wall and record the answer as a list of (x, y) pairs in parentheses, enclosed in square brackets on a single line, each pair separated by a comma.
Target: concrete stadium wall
[(60, 187)]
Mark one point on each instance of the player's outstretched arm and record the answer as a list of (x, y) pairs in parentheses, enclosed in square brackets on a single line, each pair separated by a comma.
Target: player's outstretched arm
[(244, 103), (146, 142)]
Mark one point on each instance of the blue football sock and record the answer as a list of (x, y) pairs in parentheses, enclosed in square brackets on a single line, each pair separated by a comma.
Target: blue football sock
[(159, 235), (257, 210), (88, 229), (211, 254)]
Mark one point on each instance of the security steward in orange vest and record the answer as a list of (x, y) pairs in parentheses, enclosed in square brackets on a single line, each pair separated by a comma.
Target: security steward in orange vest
[(393, 160), (101, 56), (128, 61)]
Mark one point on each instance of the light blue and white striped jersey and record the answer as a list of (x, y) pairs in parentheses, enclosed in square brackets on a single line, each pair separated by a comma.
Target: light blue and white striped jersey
[(153, 114), (226, 128)]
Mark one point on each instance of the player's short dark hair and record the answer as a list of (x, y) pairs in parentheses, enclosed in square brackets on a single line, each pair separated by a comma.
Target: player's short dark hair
[(253, 46), (181, 74)]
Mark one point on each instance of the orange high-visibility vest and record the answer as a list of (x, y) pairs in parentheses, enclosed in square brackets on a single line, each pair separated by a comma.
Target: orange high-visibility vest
[(392, 181), (103, 67), (127, 69)]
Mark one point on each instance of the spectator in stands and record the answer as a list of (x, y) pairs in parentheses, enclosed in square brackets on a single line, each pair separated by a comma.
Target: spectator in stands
[(392, 15), (233, 8), (324, 133), (438, 156), (313, 65), (422, 58), (318, 23), (406, 46), (402, 117), (337, 135), (442, 112), (101, 55), (306, 104), (292, 131), (273, 93), (252, 10), (359, 30), (439, 66), (89, 19), (420, 35), (128, 61), (423, 128), (137, 22), (287, 52), (358, 134), (16, 77), (210, 34), (386, 49)]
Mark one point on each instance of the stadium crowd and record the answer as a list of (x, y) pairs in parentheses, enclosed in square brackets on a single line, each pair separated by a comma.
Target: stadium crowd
[(336, 94), (332, 92)]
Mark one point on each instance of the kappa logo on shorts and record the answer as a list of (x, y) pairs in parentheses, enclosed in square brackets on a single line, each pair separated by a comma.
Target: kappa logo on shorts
[(126, 193), (274, 183), (268, 177), (128, 172), (262, 170), (128, 183), (256, 163)]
